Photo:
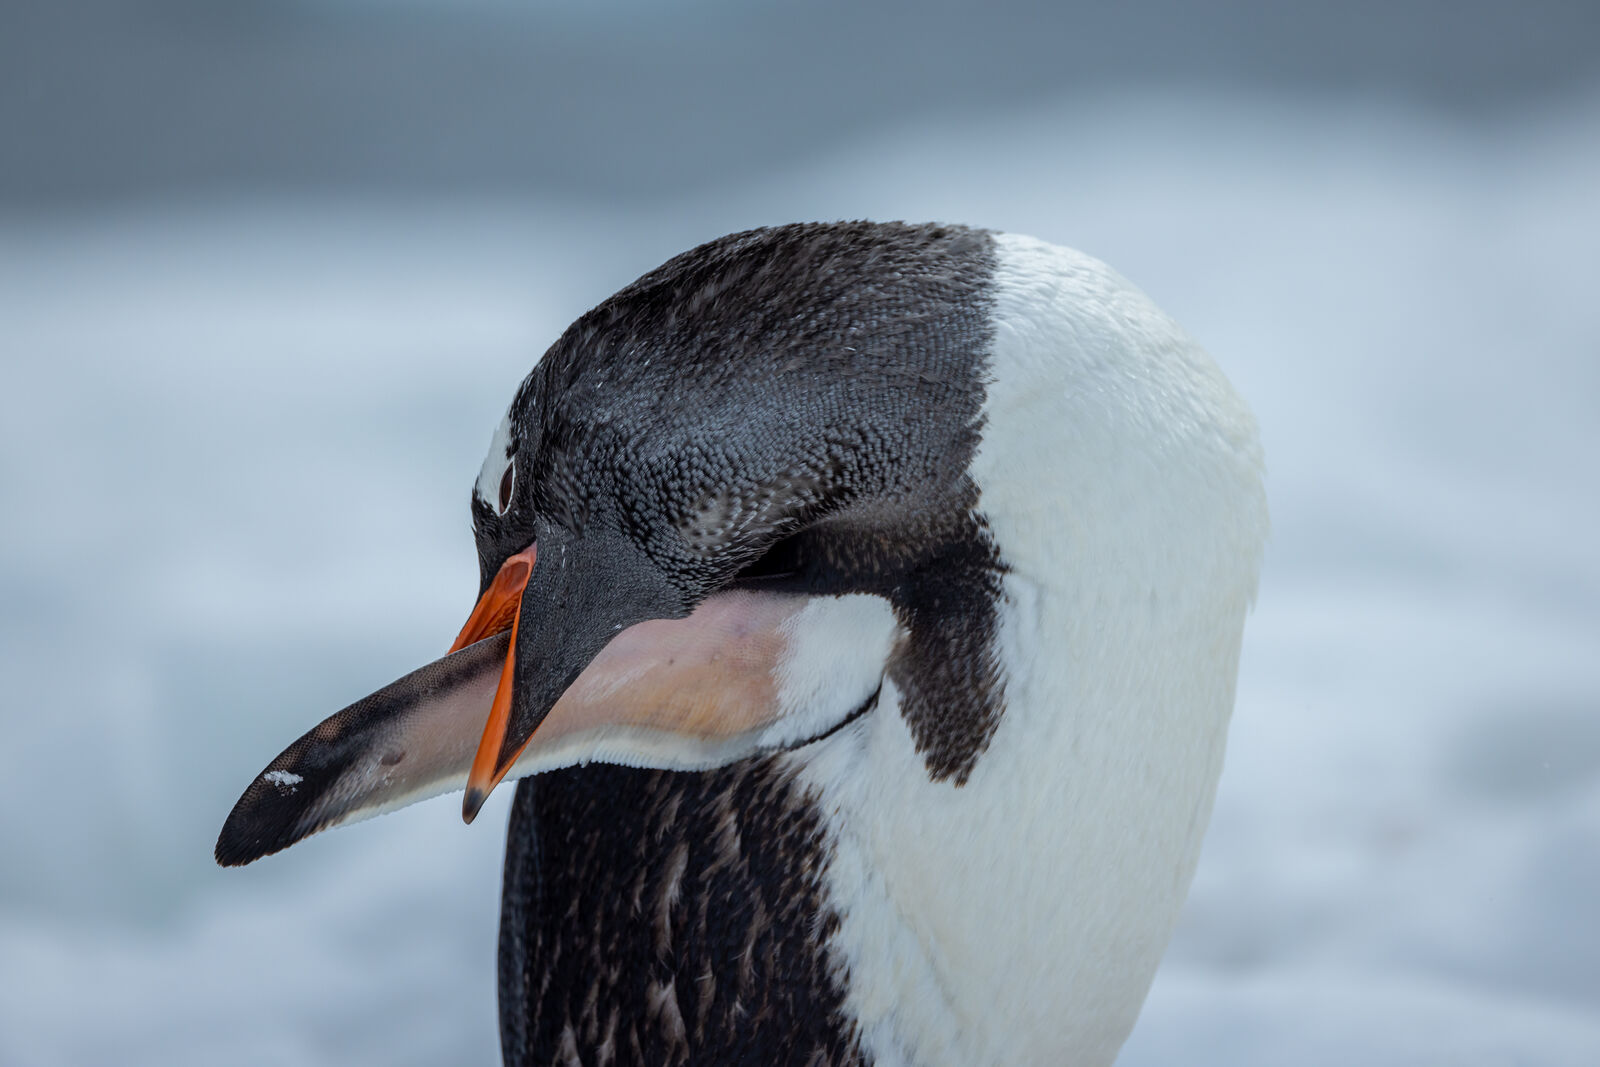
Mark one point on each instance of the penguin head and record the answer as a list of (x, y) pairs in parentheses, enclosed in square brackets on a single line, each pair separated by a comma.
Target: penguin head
[(720, 509)]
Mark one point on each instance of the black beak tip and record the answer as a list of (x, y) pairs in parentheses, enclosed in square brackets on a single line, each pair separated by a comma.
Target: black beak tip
[(472, 803)]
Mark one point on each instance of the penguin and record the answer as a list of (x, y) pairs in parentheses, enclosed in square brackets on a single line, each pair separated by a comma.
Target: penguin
[(860, 609)]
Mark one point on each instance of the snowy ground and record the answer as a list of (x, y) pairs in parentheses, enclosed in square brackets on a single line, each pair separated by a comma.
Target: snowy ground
[(236, 442)]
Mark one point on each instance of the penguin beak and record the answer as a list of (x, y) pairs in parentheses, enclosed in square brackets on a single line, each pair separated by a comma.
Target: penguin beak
[(497, 611), (681, 693), (707, 679)]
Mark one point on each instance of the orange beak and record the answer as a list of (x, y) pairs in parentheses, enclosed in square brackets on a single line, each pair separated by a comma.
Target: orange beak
[(496, 612)]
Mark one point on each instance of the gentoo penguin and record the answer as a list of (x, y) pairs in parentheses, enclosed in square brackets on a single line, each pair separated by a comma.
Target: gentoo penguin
[(860, 605)]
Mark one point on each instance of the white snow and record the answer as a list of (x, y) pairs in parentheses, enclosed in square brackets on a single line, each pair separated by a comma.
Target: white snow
[(286, 780), (276, 410)]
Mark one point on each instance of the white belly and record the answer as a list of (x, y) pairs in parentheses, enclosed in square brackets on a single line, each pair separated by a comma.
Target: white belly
[(1020, 918)]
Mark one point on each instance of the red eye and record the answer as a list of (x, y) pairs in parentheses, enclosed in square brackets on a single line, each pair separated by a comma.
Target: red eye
[(507, 481)]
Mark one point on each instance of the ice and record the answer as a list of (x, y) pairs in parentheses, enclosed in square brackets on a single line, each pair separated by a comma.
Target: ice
[(236, 446)]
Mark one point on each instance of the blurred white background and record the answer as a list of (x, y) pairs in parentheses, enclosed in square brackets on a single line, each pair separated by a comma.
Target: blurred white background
[(270, 272)]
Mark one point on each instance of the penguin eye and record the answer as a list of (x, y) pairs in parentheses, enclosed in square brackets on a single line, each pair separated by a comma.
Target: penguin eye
[(508, 481)]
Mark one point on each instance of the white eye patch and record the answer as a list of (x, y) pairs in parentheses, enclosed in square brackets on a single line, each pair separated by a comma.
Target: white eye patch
[(497, 480)]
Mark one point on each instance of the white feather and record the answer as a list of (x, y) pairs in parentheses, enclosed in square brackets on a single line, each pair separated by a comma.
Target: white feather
[(1020, 918), (833, 661), (495, 463)]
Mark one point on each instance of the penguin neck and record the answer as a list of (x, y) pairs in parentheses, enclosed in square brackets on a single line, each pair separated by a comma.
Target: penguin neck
[(1019, 917)]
